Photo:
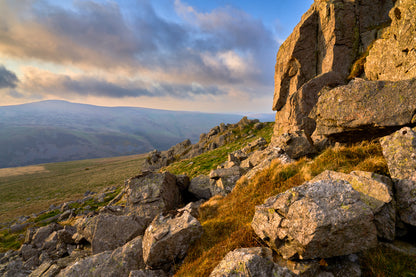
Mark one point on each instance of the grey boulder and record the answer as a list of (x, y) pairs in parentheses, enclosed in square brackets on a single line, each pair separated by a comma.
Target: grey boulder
[(168, 238), (316, 220)]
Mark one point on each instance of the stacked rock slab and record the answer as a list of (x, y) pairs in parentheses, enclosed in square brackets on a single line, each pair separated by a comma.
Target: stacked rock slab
[(319, 53), (365, 108)]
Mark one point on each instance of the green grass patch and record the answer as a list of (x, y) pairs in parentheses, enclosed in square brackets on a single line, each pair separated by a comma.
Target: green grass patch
[(10, 241), (47, 215), (207, 161), (383, 261)]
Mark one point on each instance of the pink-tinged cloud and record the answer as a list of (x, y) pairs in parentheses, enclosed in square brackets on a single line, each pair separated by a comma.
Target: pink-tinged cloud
[(214, 53)]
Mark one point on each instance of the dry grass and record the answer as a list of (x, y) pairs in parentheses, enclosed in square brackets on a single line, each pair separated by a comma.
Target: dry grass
[(25, 194), (23, 170), (226, 220), (384, 262)]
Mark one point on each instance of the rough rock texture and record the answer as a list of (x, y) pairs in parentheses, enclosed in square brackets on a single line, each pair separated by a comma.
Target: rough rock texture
[(43, 233), (295, 144), (116, 263), (147, 273), (399, 149), (376, 191), (330, 37), (258, 144), (107, 231), (393, 56), (260, 160), (200, 187), (253, 262), (223, 180), (316, 220), (151, 193), (168, 238), (367, 108), (406, 201), (294, 116)]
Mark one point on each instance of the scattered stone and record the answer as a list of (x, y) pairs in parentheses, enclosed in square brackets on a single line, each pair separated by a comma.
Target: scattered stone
[(16, 228), (258, 144), (168, 238), (109, 263), (43, 233), (260, 160), (182, 181), (223, 180)]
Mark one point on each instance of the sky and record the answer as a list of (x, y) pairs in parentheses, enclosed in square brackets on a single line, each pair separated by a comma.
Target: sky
[(209, 56)]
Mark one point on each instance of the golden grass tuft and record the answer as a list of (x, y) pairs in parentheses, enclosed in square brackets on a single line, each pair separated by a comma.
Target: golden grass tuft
[(226, 220)]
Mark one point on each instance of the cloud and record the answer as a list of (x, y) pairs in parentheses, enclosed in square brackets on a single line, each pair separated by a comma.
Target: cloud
[(40, 82), (214, 53), (7, 78)]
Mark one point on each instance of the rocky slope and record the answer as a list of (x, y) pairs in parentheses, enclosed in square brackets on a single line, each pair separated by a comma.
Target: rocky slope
[(318, 226)]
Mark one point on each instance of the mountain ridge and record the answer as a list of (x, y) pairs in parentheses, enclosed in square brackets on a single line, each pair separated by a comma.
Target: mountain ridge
[(55, 130)]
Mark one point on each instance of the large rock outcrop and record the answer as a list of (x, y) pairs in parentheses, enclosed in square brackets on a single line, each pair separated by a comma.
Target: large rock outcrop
[(319, 53), (393, 56)]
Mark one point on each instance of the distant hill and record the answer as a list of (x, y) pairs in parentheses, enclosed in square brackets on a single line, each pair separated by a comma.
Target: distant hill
[(53, 131)]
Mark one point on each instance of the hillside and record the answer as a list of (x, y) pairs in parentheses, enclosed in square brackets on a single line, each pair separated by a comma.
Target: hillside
[(328, 189), (53, 131), (225, 219)]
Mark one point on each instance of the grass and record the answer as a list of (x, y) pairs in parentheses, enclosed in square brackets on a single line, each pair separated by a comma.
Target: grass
[(32, 192), (10, 241), (384, 262), (205, 162), (226, 220)]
